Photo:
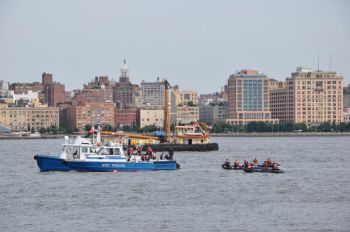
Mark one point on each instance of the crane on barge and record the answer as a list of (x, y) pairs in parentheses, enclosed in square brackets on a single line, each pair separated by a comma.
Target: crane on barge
[(184, 138)]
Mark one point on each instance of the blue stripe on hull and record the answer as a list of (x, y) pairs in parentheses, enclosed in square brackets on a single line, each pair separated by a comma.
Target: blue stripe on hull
[(121, 166), (51, 163), (110, 166), (165, 165)]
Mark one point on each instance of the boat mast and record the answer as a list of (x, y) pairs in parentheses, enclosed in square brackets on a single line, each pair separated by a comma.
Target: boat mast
[(166, 111)]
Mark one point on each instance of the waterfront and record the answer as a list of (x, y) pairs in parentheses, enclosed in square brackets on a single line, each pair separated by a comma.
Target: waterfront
[(313, 194)]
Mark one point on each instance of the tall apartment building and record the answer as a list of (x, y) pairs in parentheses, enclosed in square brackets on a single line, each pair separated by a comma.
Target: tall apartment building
[(184, 106), (125, 93), (22, 118), (346, 96), (152, 94), (310, 97), (90, 113), (248, 98), (54, 91)]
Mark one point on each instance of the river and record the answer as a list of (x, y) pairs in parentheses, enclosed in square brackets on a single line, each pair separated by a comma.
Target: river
[(312, 195)]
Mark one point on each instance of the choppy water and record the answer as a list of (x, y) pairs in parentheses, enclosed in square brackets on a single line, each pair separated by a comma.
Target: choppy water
[(312, 195)]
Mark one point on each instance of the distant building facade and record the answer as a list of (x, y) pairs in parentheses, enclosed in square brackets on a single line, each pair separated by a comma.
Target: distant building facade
[(90, 113), (149, 116), (152, 94), (125, 117), (213, 113), (309, 97), (184, 106), (248, 98), (125, 93), (24, 118), (346, 96)]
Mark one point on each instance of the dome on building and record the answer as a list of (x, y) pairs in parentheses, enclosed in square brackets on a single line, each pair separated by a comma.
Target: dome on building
[(124, 73)]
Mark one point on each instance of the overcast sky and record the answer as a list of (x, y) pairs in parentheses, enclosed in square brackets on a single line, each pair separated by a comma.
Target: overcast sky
[(195, 44)]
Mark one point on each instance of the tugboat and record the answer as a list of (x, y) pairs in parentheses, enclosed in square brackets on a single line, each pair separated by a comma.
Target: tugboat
[(82, 155)]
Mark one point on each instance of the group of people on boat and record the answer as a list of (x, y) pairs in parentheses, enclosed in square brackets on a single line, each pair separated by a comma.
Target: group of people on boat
[(144, 155), (266, 164)]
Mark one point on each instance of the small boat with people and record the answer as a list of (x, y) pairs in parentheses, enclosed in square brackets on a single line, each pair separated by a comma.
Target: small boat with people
[(254, 166), (235, 165), (80, 154)]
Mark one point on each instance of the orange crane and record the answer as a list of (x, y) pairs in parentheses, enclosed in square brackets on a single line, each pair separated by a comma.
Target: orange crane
[(166, 111)]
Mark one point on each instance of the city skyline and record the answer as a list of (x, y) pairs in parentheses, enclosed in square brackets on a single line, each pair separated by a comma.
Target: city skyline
[(196, 45)]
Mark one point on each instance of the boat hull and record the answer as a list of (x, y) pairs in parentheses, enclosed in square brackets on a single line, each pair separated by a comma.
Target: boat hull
[(231, 167), (51, 163), (103, 166), (263, 170)]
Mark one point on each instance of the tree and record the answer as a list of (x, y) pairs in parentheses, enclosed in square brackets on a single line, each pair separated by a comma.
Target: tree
[(69, 130), (42, 130), (108, 127), (87, 127), (54, 129), (217, 128), (32, 130)]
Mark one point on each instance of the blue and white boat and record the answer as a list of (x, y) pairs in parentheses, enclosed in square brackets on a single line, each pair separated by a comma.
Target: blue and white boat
[(84, 156)]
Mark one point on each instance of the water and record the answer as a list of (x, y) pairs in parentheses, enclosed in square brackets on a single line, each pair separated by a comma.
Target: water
[(312, 195)]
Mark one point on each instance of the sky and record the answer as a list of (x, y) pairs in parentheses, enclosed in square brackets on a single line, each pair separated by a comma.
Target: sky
[(194, 44)]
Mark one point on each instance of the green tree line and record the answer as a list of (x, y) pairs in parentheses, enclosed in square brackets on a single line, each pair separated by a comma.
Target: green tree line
[(260, 127)]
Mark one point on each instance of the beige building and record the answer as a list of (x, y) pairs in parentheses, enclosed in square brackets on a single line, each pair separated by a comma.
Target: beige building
[(308, 96), (22, 118), (150, 116), (184, 106), (248, 98), (90, 113)]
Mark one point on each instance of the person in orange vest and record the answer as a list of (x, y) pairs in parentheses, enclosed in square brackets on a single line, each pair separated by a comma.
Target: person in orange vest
[(274, 166), (139, 149), (130, 151), (269, 161), (265, 165), (149, 150)]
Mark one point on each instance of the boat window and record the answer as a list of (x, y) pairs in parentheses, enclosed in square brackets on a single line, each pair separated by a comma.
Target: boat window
[(117, 151), (84, 150), (92, 149), (104, 152)]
